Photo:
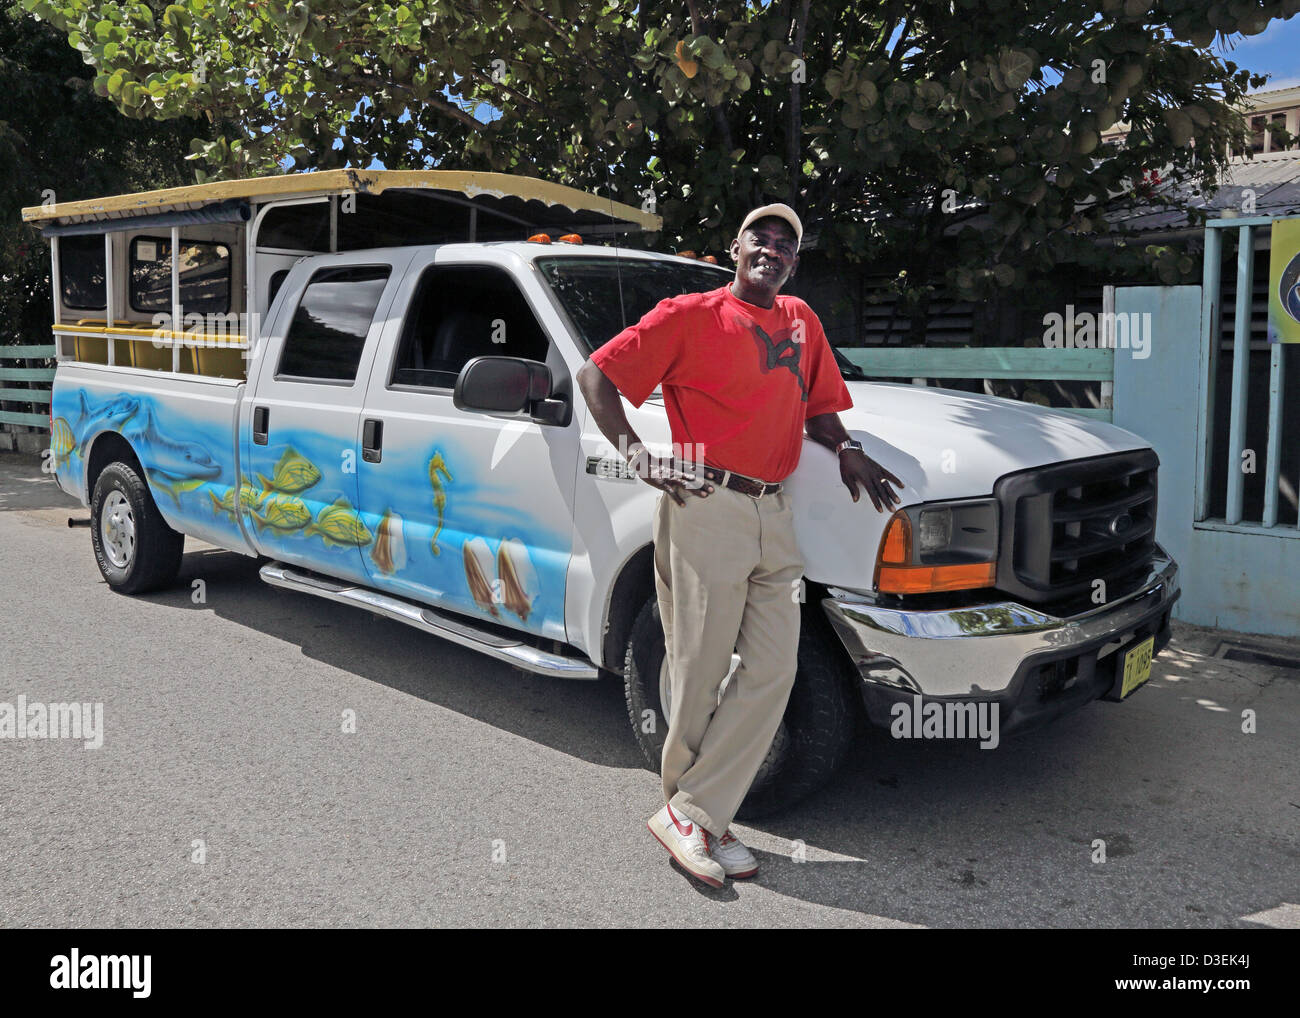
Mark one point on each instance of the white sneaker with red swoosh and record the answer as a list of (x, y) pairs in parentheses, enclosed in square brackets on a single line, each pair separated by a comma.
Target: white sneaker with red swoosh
[(688, 843), (732, 855)]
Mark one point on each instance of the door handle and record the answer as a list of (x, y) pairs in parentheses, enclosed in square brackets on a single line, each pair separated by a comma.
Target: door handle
[(261, 424), (372, 440)]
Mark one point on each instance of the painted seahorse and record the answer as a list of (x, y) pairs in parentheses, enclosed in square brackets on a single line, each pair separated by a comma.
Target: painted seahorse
[(438, 465)]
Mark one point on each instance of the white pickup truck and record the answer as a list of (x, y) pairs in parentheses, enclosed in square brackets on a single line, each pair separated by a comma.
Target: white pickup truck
[(392, 423)]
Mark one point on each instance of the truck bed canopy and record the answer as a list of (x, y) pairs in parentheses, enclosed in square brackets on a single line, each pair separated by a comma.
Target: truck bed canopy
[(395, 207)]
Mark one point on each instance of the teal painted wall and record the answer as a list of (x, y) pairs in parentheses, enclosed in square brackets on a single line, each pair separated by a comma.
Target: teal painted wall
[(1246, 582)]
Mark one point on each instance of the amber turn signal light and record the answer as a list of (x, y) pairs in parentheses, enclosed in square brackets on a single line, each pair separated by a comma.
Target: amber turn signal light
[(540, 238), (896, 575), (570, 238)]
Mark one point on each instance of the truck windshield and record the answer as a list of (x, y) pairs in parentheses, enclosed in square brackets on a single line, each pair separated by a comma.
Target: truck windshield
[(588, 290)]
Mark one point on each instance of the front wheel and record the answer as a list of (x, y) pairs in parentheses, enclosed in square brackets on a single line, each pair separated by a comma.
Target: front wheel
[(811, 742), (135, 548)]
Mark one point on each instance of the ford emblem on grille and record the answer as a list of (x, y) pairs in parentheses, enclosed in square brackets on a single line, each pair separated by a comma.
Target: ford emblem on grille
[(1120, 525)]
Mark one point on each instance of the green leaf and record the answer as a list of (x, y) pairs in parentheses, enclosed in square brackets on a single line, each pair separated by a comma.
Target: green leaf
[(1017, 67)]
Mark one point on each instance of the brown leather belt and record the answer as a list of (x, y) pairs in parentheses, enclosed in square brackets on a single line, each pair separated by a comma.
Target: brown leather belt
[(750, 486)]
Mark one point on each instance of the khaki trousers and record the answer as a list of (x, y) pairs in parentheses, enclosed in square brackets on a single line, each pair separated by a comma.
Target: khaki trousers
[(727, 574)]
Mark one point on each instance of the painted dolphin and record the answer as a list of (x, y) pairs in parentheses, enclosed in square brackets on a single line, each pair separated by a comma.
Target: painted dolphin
[(115, 413)]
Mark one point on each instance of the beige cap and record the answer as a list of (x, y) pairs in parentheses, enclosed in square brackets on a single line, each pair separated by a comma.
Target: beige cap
[(781, 212)]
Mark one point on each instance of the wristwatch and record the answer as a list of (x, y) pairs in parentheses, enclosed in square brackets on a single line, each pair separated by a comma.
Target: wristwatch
[(848, 443)]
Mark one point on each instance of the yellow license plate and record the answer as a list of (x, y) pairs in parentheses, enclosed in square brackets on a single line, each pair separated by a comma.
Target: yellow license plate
[(1137, 666)]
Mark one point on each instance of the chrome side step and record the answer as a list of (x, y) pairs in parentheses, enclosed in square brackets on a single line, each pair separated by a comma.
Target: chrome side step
[(432, 621)]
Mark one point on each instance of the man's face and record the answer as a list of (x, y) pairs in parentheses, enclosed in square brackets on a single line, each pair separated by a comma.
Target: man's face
[(766, 254)]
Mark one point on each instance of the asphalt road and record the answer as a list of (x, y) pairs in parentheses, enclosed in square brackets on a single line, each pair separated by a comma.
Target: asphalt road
[(472, 794)]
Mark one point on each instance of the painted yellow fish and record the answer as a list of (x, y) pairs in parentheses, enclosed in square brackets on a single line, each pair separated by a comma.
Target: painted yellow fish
[(249, 499), (62, 441), (224, 504), (282, 512), (173, 485), (339, 526), (293, 473), (437, 465)]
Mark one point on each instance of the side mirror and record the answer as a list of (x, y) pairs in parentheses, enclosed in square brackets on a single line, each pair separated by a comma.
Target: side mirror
[(509, 385)]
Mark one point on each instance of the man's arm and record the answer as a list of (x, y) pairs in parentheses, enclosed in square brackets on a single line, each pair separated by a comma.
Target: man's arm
[(607, 411), (855, 467)]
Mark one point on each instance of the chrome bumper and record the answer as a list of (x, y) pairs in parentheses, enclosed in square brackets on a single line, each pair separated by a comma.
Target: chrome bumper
[(999, 651)]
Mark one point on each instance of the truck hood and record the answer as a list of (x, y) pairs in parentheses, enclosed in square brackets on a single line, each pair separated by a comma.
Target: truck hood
[(943, 445)]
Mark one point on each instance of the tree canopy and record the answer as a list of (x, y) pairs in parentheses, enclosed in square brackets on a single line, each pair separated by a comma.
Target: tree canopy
[(887, 124), (58, 142)]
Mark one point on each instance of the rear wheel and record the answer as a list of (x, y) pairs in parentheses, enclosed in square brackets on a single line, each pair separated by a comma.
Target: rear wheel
[(811, 742), (135, 548)]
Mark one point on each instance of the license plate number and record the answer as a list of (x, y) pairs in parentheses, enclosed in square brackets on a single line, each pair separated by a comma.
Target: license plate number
[(1137, 666)]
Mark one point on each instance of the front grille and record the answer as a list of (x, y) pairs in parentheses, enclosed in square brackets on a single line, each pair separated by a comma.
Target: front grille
[(1068, 525)]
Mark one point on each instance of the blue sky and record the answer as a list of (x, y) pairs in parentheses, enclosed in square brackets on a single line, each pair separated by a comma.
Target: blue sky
[(1275, 51)]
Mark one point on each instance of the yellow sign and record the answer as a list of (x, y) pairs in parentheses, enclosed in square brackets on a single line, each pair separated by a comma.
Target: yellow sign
[(1284, 282)]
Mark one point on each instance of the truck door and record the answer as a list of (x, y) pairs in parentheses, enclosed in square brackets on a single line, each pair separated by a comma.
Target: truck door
[(300, 428), (470, 511)]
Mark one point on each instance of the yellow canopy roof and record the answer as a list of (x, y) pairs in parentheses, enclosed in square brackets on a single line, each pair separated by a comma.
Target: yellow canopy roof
[(472, 185)]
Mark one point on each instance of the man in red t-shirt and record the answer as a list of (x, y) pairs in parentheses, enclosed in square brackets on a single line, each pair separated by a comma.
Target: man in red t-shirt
[(744, 370)]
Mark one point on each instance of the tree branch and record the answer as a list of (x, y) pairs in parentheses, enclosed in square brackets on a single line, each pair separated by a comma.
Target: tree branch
[(795, 130)]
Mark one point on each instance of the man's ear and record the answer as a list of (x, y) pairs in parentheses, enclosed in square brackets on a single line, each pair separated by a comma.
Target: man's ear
[(735, 250), (794, 267)]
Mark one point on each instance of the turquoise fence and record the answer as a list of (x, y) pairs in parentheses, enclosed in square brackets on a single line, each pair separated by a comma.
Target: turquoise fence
[(14, 367), (1029, 363)]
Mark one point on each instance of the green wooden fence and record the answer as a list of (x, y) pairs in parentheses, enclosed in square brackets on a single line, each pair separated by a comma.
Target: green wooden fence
[(34, 397), (908, 362), (1029, 363)]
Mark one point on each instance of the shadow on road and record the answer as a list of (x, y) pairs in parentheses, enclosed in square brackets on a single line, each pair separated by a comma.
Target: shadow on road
[(919, 831)]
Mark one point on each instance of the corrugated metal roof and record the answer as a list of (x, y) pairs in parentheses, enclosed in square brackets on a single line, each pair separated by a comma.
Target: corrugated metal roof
[(1274, 177)]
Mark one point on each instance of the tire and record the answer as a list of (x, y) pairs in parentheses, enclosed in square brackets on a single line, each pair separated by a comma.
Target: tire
[(134, 547), (816, 732)]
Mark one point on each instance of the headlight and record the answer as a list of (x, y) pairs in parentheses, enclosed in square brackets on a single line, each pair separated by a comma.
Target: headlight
[(939, 546)]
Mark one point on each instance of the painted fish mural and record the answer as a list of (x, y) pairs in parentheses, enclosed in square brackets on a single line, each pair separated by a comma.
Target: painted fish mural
[(90, 421), (62, 441), (389, 552), (249, 498), (173, 466), (340, 526), (284, 513), (437, 465), (293, 474)]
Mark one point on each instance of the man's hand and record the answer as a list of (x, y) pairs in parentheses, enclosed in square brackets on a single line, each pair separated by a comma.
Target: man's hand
[(662, 472), (856, 467)]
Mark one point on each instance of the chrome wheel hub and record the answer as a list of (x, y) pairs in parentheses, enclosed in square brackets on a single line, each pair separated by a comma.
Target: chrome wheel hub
[(117, 529)]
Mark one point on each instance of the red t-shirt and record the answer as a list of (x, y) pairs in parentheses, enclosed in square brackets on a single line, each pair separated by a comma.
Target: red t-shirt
[(738, 380)]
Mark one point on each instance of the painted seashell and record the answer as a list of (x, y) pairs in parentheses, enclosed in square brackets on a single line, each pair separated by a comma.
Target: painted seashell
[(519, 587), (478, 573), (389, 552)]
